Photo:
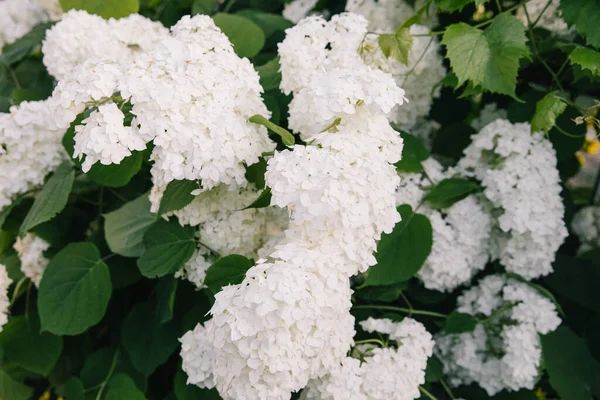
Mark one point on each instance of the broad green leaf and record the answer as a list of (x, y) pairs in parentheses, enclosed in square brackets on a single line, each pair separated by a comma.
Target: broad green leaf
[(269, 23), (459, 322), (206, 7), (401, 253), (413, 153), (97, 366), (20, 95), (396, 45), (74, 389), (270, 77), (450, 191), (178, 194), (21, 48), (166, 288), (13, 266), (123, 272), (52, 199), (104, 8), (148, 343), (122, 387), (125, 227), (116, 175), (488, 58), (247, 37), (585, 16), (25, 346), (228, 270), (586, 59), (185, 391), (10, 389), (168, 247), (4, 213), (286, 137), (547, 110), (434, 370), (74, 291), (255, 173), (263, 200), (576, 278), (573, 372), (451, 5), (385, 294)]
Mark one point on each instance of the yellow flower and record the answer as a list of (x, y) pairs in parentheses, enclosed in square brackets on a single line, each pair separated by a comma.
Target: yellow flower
[(45, 396), (580, 157), (592, 146), (540, 394)]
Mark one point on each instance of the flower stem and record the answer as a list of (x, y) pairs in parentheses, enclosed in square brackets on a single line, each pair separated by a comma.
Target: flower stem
[(401, 310), (426, 393)]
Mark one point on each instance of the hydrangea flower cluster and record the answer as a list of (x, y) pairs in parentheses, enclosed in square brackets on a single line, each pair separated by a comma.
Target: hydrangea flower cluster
[(31, 249), (381, 373), (31, 148), (549, 15), (424, 69), (518, 171), (5, 282), (503, 352), (289, 320), (461, 233), (296, 10), (488, 114), (586, 225), (17, 18)]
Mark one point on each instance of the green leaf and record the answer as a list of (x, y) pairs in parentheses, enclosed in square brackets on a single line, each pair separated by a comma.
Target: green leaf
[(6, 211), (18, 50), (270, 77), (413, 153), (125, 227), (396, 45), (166, 288), (207, 7), (247, 37), (116, 175), (97, 366), (547, 110), (263, 200), (488, 58), (573, 372), (104, 8), (451, 5), (122, 387), (13, 390), (576, 279), (20, 95), (255, 173), (586, 59), (148, 343), (228, 270), (459, 322), (183, 391), (26, 347), (52, 199), (178, 194), (401, 253), (286, 137), (585, 15), (168, 247), (434, 370), (74, 389), (450, 191), (74, 291), (269, 23)]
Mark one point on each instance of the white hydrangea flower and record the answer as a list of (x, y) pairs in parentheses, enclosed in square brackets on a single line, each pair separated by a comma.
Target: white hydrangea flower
[(80, 37), (31, 249), (195, 269), (104, 138), (503, 352), (31, 148), (298, 9), (52, 8), (550, 19), (17, 18), (384, 373), (586, 225), (390, 14), (488, 114), (424, 61), (518, 171), (5, 282)]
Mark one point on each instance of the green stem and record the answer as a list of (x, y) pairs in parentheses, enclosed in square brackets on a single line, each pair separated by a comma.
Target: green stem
[(15, 295), (400, 310), (377, 341), (13, 76), (229, 5), (499, 5), (417, 63), (541, 13), (447, 389), (109, 375), (426, 393)]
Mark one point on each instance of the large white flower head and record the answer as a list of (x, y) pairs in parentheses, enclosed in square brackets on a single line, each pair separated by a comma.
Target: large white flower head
[(31, 148), (549, 16), (80, 37), (17, 18), (31, 249), (52, 8), (424, 69), (5, 282), (518, 171), (586, 225), (461, 233), (298, 9), (503, 352), (488, 114), (383, 373)]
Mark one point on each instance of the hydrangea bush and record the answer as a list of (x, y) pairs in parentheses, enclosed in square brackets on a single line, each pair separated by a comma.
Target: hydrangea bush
[(299, 199)]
